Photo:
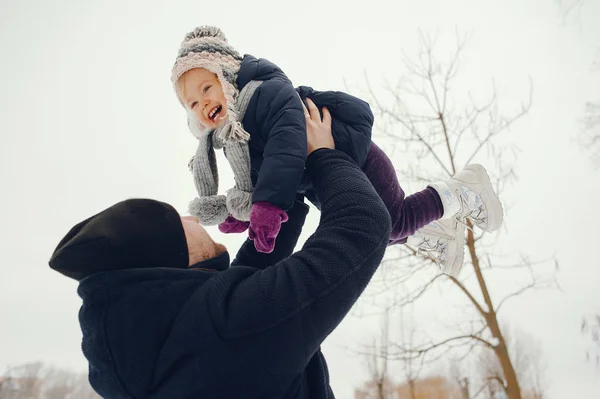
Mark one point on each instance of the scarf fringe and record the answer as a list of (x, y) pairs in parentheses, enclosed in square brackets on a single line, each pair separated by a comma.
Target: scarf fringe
[(232, 133)]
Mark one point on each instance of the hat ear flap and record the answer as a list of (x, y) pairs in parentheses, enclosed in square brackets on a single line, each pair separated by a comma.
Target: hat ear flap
[(195, 127)]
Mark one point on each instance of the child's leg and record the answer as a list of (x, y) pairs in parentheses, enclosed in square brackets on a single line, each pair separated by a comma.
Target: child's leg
[(408, 214)]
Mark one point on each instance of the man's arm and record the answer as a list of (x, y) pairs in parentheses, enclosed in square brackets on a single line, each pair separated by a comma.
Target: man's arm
[(280, 316), (284, 245)]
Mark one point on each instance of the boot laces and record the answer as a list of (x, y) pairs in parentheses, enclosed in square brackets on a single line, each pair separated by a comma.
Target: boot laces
[(432, 248), (477, 215)]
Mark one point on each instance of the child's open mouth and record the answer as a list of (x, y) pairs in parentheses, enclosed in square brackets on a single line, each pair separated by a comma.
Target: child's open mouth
[(214, 113)]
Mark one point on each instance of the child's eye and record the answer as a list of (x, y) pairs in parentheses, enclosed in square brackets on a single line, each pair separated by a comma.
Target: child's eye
[(207, 87), (194, 104)]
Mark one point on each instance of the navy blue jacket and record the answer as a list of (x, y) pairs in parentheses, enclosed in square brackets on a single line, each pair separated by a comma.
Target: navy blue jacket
[(275, 121), (252, 330)]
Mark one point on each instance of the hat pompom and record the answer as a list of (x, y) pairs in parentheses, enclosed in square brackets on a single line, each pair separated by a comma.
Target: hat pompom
[(206, 31)]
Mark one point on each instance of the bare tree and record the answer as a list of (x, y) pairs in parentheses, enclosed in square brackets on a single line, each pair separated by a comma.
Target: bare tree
[(590, 141), (590, 133), (461, 378), (568, 8), (526, 356), (23, 381), (40, 381), (481, 376), (590, 327), (530, 364), (589, 136), (59, 384), (377, 359), (423, 112), (412, 367), (378, 363), (379, 385)]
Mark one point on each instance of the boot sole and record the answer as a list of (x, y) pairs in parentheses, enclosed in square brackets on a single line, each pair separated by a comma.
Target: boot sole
[(459, 257), (490, 198), (457, 254)]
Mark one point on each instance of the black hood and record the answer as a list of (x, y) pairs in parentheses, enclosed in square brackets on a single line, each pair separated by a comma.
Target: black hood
[(136, 233)]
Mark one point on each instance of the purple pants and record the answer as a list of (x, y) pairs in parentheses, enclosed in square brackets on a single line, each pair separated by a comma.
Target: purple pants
[(408, 213)]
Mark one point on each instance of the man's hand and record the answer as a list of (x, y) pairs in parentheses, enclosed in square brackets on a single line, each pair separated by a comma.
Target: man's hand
[(318, 132)]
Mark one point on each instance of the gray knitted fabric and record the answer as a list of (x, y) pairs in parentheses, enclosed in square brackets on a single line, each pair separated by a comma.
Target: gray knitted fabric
[(209, 207), (207, 47)]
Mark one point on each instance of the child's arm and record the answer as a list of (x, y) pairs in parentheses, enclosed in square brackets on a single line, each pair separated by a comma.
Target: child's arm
[(284, 245), (352, 120), (280, 118), (281, 122)]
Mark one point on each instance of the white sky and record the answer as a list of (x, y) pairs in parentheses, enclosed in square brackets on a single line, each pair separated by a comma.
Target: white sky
[(88, 118)]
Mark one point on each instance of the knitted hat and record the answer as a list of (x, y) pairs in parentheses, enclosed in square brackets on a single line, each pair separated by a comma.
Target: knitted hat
[(207, 47), (135, 233)]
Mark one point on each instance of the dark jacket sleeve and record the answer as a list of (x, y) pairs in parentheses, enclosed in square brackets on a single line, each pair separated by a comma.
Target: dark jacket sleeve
[(352, 123), (279, 316), (280, 119), (284, 244)]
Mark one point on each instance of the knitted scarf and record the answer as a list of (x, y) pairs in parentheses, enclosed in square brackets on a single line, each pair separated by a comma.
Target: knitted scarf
[(209, 207)]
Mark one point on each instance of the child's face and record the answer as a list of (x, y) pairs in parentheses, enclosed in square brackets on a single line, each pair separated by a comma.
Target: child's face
[(201, 91)]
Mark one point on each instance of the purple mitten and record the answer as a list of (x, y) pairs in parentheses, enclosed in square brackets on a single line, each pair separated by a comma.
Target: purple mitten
[(265, 222), (232, 225)]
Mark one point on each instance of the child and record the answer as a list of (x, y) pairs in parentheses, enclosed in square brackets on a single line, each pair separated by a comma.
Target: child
[(249, 107)]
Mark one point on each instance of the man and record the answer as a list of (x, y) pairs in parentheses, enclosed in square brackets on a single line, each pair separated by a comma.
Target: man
[(165, 316)]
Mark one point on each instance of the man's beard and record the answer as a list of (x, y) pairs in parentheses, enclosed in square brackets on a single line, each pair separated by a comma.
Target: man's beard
[(219, 249), (208, 251), (211, 252)]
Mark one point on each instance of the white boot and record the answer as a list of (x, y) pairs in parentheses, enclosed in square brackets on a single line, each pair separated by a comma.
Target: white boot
[(469, 194), (442, 241)]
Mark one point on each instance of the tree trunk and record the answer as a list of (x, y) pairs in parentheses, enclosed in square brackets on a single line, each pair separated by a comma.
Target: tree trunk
[(512, 388), (380, 390), (411, 387), (464, 389)]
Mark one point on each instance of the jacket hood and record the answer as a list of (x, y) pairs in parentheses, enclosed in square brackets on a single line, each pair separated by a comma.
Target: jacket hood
[(253, 68)]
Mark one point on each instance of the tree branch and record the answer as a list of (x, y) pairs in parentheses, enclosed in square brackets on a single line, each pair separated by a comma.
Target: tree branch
[(479, 308), (506, 124), (424, 350)]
